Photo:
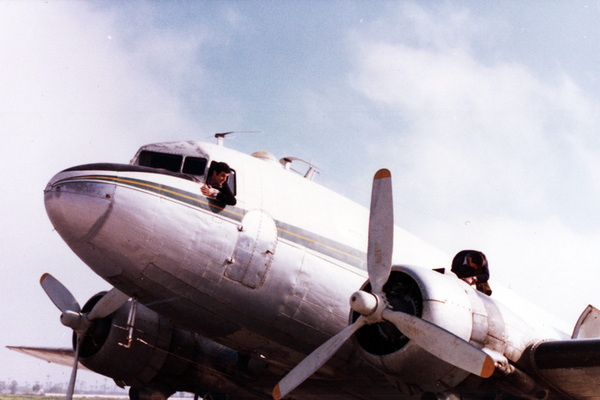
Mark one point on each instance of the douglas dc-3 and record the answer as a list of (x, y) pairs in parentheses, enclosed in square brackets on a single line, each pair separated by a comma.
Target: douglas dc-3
[(292, 292)]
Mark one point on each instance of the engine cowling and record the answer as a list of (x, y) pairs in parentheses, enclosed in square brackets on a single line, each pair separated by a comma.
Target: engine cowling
[(161, 356), (435, 297)]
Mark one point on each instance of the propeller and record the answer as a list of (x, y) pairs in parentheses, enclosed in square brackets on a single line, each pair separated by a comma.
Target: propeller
[(73, 318), (373, 307)]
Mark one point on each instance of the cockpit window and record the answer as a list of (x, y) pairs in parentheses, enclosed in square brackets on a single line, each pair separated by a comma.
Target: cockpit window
[(231, 180), (173, 162), (170, 162), (194, 166)]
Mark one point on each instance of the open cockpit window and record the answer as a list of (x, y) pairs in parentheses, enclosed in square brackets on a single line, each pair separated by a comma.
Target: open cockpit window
[(231, 181)]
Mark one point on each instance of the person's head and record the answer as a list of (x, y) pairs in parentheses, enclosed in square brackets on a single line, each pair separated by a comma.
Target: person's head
[(476, 259), (220, 173)]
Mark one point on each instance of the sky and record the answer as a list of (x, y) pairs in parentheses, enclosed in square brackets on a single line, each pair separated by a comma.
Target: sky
[(486, 113)]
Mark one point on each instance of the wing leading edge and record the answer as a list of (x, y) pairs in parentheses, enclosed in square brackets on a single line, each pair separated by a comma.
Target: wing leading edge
[(572, 366), (62, 356)]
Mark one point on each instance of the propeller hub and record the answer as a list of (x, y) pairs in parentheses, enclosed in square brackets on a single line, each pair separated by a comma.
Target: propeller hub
[(364, 303), (74, 320)]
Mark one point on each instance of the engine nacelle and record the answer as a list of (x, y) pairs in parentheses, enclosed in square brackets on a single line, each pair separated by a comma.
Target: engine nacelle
[(451, 304), (160, 356)]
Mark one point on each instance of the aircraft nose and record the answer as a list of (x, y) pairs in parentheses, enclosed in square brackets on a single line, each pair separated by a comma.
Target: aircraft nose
[(78, 206)]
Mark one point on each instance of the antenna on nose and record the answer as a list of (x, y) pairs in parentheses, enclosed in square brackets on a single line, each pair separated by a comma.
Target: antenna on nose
[(221, 137)]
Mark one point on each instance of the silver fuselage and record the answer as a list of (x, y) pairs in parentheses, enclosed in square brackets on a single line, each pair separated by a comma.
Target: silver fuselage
[(269, 277)]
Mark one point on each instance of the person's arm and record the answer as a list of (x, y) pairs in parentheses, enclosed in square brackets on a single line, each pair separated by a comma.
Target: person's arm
[(483, 274), (457, 263), (226, 196)]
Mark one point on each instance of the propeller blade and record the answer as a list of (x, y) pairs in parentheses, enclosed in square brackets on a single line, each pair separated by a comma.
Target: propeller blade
[(71, 387), (442, 343), (59, 294), (108, 304), (381, 231), (315, 360)]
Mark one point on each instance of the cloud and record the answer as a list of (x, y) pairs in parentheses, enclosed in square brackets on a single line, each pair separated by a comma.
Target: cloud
[(491, 155), (479, 133), (74, 79), (485, 152), (72, 94)]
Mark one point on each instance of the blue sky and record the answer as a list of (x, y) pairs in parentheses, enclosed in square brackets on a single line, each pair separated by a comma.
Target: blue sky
[(485, 112)]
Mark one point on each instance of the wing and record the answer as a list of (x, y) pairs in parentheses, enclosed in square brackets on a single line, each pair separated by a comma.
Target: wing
[(571, 366), (51, 354)]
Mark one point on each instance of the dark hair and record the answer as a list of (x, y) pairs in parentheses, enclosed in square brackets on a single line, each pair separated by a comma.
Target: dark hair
[(478, 258), (219, 167)]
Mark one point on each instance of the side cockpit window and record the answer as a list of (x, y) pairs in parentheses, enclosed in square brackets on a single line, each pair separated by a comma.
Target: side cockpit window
[(194, 166), (220, 183), (232, 183)]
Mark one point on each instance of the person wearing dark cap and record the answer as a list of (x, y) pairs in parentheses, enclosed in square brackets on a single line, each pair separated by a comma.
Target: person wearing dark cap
[(472, 267)]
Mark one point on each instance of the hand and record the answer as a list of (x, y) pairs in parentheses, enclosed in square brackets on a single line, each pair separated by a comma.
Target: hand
[(208, 191), (470, 280)]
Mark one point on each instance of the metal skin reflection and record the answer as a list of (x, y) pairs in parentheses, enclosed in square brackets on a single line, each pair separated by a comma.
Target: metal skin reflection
[(260, 285)]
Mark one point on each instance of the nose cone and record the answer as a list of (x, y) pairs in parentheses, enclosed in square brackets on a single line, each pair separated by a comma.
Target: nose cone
[(78, 206)]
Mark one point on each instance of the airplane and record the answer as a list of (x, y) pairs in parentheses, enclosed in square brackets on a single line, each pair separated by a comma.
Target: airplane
[(294, 292)]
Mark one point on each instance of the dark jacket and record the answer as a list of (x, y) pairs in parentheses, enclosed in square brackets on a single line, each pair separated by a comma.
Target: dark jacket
[(225, 194)]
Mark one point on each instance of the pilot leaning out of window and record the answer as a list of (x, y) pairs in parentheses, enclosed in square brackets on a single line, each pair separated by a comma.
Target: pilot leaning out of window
[(216, 186)]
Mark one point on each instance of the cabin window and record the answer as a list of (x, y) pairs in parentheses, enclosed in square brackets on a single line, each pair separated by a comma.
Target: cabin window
[(170, 162), (194, 166)]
